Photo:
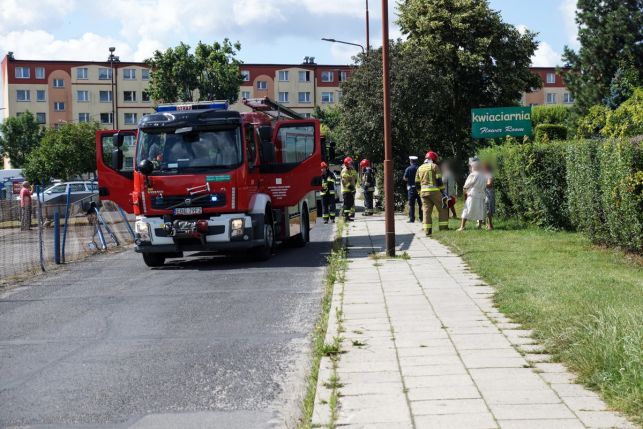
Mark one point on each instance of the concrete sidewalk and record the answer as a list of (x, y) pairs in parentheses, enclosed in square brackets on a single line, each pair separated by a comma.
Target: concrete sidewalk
[(431, 351)]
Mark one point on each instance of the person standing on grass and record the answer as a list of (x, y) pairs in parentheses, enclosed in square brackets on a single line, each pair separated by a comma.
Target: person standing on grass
[(412, 192), (25, 206), (474, 194), (490, 194), (429, 179), (449, 184)]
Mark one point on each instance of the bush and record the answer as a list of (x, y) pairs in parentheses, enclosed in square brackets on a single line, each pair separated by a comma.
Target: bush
[(627, 119), (546, 132), (593, 186), (549, 114)]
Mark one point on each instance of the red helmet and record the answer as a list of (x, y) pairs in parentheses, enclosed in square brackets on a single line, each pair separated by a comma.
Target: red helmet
[(324, 165), (432, 156), (365, 163), (348, 160)]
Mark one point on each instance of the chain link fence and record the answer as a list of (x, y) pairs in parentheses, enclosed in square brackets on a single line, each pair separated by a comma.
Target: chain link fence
[(84, 227)]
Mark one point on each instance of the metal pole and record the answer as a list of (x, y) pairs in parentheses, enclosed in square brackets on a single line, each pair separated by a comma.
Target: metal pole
[(389, 216), (111, 62), (368, 32), (66, 222), (57, 236), (40, 228), (129, 227)]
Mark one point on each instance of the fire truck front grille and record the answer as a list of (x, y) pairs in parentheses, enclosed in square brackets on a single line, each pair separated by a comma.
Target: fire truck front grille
[(210, 200)]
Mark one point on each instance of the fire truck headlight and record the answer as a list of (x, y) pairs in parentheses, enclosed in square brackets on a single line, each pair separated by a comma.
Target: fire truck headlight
[(236, 228), (142, 230)]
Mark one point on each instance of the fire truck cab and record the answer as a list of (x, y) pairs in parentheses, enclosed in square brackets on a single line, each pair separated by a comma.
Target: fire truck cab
[(201, 177)]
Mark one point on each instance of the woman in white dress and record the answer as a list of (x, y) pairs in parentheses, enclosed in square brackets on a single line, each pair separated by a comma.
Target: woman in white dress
[(474, 191)]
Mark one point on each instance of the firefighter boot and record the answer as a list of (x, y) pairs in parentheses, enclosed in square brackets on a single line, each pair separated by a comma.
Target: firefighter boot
[(429, 232)]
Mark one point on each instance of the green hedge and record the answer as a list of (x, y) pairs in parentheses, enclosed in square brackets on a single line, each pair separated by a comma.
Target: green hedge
[(589, 185), (546, 132), (549, 114)]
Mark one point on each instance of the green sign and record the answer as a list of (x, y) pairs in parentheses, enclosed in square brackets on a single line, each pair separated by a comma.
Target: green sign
[(221, 178), (493, 122)]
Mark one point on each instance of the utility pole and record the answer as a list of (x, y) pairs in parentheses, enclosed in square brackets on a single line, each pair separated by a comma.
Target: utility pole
[(368, 31), (389, 207)]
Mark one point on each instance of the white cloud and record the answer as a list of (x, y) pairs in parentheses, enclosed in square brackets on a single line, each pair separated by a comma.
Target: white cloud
[(40, 44), (545, 56), (568, 10), (343, 54), (355, 8), (21, 14)]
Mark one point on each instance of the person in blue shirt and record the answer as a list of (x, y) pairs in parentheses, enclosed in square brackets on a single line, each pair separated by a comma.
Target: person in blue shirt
[(413, 195)]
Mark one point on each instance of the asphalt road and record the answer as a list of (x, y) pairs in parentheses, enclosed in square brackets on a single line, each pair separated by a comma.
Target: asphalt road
[(203, 342)]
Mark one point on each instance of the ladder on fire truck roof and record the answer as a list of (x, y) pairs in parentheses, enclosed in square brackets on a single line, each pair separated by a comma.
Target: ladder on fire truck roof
[(271, 108)]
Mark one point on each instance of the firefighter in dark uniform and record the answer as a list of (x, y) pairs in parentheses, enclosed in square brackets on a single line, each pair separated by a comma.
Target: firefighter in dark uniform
[(429, 179), (412, 192), (368, 186), (328, 193), (349, 184)]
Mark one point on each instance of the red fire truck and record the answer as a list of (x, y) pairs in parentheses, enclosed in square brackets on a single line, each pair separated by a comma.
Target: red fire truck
[(201, 177)]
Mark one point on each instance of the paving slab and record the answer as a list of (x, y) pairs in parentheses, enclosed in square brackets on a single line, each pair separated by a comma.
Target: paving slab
[(433, 351)]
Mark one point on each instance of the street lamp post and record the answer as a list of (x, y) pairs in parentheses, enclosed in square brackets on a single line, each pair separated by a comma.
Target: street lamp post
[(368, 32), (112, 59), (389, 219), (343, 43)]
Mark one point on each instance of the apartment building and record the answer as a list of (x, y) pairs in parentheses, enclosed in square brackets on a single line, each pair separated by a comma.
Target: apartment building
[(300, 87), (57, 92), (553, 91)]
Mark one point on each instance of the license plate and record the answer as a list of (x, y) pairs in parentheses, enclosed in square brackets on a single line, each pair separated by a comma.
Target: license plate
[(188, 210)]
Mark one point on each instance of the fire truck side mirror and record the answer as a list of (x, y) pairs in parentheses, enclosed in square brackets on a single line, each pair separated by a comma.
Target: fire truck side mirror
[(146, 167), (117, 159), (118, 140)]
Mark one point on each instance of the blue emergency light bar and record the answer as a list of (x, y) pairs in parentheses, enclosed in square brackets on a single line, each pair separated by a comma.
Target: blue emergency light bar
[(215, 105)]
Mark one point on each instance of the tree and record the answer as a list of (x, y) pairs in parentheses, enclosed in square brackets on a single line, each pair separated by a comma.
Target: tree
[(19, 136), (610, 33), (63, 153), (210, 73)]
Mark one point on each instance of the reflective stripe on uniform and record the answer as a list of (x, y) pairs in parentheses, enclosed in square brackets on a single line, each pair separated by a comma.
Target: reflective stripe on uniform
[(426, 189), (446, 223)]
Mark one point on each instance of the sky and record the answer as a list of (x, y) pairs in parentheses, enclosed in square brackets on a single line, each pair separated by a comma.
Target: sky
[(270, 31)]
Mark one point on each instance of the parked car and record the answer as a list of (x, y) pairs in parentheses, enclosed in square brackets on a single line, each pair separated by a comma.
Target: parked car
[(55, 197)]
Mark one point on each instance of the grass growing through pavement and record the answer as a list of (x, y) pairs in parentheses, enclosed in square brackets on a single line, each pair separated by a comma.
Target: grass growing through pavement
[(584, 303), (337, 264)]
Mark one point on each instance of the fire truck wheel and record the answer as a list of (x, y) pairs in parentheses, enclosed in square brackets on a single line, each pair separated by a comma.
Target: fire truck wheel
[(263, 253), (154, 259), (303, 237)]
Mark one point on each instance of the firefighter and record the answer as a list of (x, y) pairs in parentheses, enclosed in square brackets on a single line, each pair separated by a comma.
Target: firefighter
[(429, 180), (349, 183), (368, 186), (328, 193), (412, 191)]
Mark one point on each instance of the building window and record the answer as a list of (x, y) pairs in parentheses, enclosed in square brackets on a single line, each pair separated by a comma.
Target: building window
[(40, 72), (22, 73), (306, 115), (129, 74), (82, 73), (41, 118), (245, 75), (129, 96), (304, 97), (105, 96), (59, 106), (82, 96), (59, 83), (568, 98), (343, 76), (245, 94), (130, 118), (283, 75), (145, 97), (106, 118), (327, 76), (551, 77), (104, 73), (283, 97), (304, 76), (41, 95), (145, 74), (551, 98), (83, 117), (262, 84), (327, 97), (23, 95)]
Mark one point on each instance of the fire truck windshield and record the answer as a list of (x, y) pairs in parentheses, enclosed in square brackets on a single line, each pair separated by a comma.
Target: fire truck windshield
[(189, 149)]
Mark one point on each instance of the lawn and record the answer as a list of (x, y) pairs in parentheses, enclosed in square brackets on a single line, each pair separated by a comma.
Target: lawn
[(584, 303)]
